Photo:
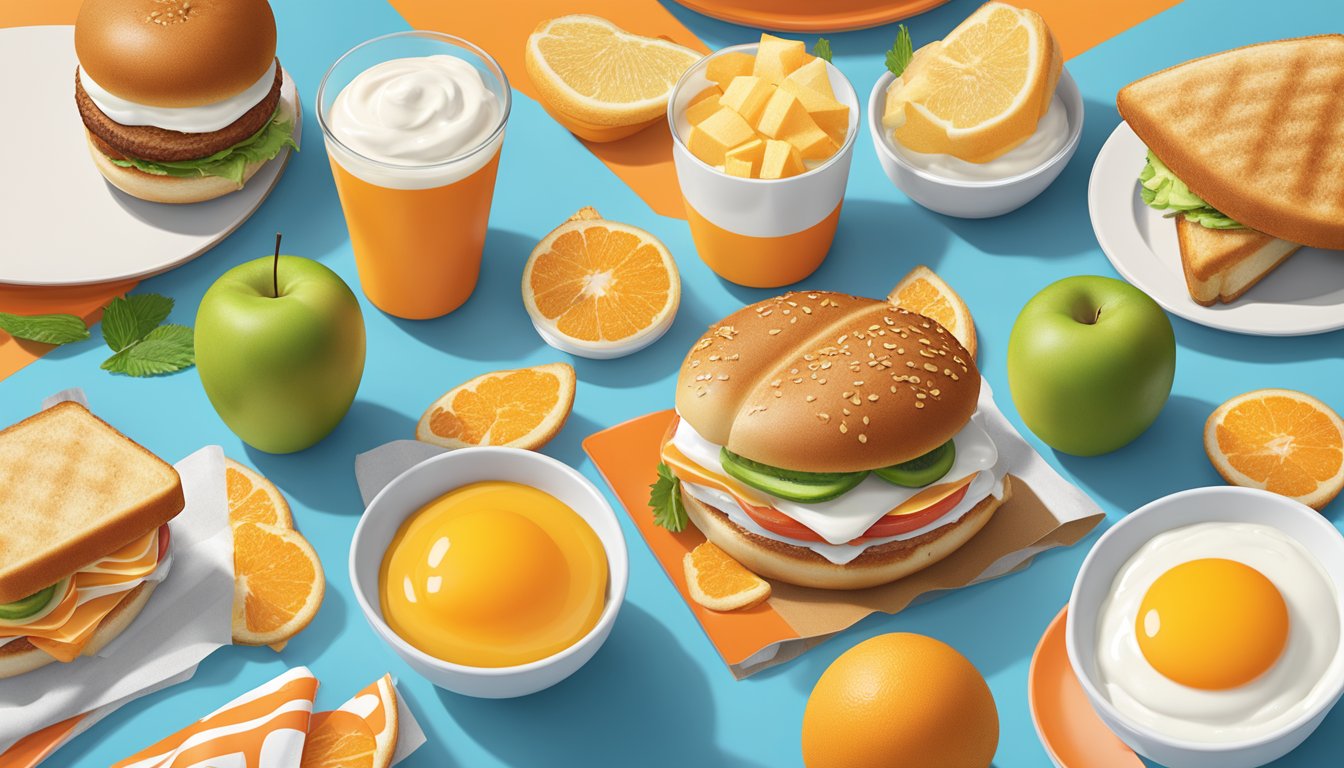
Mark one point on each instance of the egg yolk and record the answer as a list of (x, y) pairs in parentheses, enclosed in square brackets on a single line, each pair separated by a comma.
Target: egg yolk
[(1212, 624), (493, 574)]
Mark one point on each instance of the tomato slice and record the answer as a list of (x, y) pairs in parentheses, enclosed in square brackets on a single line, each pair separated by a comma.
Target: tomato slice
[(163, 541), (779, 523)]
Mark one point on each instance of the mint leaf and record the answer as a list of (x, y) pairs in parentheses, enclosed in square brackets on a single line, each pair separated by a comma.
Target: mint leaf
[(902, 51), (165, 349), (128, 320), (822, 49), (47, 329), (665, 499)]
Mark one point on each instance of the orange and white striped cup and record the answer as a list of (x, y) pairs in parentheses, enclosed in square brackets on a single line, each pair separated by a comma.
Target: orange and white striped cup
[(761, 233), (417, 231)]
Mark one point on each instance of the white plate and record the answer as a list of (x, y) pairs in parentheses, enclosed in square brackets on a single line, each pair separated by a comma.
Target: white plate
[(1304, 295), (61, 223)]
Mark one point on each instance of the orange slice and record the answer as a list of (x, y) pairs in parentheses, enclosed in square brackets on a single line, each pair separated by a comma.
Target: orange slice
[(254, 499), (924, 292), (521, 408), (600, 285), (980, 91), (339, 739), (1281, 441), (377, 705), (278, 583), (720, 583), (591, 70)]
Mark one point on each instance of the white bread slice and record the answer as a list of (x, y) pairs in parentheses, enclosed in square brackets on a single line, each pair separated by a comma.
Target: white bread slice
[(72, 491), (1222, 264)]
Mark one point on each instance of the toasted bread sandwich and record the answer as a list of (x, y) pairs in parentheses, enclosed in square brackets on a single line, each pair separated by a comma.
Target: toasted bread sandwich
[(84, 514), (1248, 144)]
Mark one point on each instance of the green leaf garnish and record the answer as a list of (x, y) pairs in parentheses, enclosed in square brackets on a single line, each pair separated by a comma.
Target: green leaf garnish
[(665, 499), (129, 319), (822, 49), (165, 349), (48, 329), (228, 163), (898, 58)]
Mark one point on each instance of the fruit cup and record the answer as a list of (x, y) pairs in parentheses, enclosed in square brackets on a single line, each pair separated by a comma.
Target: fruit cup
[(417, 228), (761, 233)]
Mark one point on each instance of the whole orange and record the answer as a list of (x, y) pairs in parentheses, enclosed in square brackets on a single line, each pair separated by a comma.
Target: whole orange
[(900, 699)]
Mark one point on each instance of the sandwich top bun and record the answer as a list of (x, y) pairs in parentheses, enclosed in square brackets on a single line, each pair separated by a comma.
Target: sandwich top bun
[(816, 381), (175, 53), (1255, 132)]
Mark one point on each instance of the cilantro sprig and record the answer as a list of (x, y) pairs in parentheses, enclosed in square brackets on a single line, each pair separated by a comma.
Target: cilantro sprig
[(665, 498), (898, 58)]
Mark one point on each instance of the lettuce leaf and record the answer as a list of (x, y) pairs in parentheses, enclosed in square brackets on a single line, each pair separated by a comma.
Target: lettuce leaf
[(229, 163), (1161, 190)]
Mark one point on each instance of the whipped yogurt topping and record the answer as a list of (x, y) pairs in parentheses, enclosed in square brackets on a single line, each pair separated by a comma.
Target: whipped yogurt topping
[(206, 118), (415, 111), (1052, 133)]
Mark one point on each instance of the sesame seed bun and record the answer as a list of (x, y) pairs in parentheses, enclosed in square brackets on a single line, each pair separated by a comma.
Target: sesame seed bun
[(878, 565), (175, 53), (816, 381), (20, 656)]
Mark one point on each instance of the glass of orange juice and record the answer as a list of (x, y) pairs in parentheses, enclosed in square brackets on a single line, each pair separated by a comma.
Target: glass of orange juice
[(413, 124)]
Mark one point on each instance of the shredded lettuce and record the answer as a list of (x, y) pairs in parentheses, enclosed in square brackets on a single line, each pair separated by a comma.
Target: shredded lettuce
[(229, 163), (1160, 189)]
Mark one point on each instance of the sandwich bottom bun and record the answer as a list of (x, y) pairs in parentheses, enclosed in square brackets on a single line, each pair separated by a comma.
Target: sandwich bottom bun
[(20, 656), (166, 189), (878, 565)]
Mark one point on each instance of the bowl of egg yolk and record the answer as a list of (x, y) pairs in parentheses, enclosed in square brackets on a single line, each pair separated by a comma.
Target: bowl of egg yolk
[(493, 572), (1206, 626)]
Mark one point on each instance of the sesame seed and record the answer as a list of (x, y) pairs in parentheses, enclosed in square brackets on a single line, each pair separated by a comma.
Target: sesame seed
[(863, 438), (872, 398), (810, 398), (723, 377), (843, 428), (935, 392), (856, 400), (920, 395), (888, 345), (824, 416), (778, 393), (930, 367), (918, 404), (774, 331), (925, 341), (865, 421)]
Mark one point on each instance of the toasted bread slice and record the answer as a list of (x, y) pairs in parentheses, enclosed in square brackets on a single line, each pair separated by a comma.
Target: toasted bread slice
[(72, 491), (1258, 132), (1222, 264)]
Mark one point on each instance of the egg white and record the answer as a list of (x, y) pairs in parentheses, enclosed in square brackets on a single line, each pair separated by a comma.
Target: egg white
[(1286, 690)]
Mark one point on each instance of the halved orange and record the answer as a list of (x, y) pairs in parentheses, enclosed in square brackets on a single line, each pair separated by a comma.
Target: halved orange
[(1279, 440), (720, 583), (924, 292), (377, 705), (253, 498), (339, 739), (600, 285), (278, 583), (521, 408)]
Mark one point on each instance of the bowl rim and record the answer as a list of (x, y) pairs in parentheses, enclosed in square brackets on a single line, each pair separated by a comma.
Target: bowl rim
[(1158, 506), (1073, 102), (617, 560), (682, 82)]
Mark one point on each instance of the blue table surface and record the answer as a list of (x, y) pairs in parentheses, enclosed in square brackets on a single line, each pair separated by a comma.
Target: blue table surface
[(658, 693)]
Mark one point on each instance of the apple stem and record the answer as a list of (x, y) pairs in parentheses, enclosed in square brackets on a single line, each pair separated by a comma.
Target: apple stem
[(275, 267)]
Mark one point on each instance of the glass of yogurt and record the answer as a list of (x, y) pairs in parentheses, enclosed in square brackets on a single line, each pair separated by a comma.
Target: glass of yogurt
[(413, 124)]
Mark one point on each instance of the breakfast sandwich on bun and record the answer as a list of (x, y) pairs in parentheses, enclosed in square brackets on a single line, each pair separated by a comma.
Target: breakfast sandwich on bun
[(181, 99), (829, 441)]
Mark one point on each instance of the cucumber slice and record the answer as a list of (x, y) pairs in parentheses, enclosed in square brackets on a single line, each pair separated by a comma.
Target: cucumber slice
[(803, 487), (28, 606), (921, 471)]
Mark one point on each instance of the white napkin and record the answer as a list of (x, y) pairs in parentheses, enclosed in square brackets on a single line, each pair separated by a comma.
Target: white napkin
[(186, 619)]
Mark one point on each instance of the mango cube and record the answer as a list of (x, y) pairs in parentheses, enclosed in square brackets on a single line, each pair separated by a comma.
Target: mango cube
[(777, 57), (781, 160), (703, 105), (747, 95), (813, 75), (830, 115), (784, 118), (718, 133), (745, 156), (722, 69)]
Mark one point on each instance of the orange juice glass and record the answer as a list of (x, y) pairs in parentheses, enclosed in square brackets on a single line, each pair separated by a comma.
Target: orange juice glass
[(413, 124)]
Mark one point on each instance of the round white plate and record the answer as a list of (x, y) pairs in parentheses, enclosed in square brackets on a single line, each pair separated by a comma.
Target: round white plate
[(1304, 295), (61, 223)]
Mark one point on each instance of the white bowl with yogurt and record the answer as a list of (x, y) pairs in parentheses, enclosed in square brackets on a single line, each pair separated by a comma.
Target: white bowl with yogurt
[(1246, 725), (954, 187)]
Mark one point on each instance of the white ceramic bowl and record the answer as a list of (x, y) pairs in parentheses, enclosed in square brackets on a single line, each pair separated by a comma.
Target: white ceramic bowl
[(1113, 550), (434, 477), (973, 199)]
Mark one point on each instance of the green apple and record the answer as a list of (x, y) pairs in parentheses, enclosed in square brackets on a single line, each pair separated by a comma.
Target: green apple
[(1090, 364), (280, 349)]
